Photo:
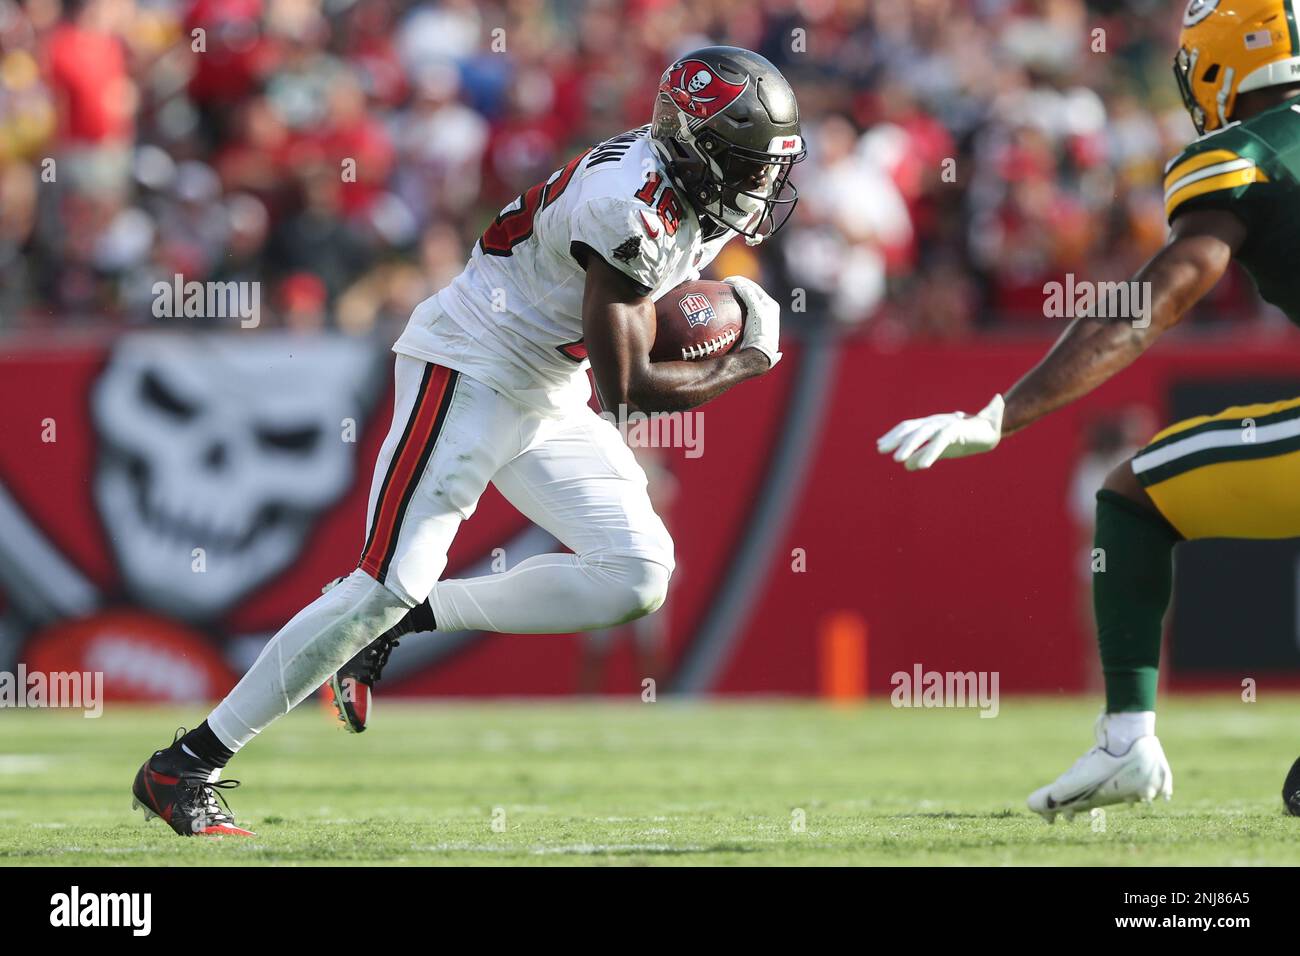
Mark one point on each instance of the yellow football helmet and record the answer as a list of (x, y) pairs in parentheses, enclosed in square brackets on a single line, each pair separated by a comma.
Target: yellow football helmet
[(1233, 46)]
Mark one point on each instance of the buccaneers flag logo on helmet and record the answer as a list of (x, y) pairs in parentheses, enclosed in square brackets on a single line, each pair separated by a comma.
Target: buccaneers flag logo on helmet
[(697, 90)]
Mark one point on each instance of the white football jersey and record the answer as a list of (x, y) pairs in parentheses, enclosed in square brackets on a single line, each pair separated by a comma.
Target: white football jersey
[(513, 318)]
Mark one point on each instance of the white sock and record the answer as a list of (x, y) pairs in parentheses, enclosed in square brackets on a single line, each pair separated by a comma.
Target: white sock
[(304, 653), (1123, 729)]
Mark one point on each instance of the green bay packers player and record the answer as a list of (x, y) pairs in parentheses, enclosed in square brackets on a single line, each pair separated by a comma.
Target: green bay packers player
[(1233, 193)]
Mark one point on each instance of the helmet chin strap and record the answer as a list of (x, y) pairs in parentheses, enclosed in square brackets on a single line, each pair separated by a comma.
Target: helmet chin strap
[(722, 226), (1222, 98), (745, 204)]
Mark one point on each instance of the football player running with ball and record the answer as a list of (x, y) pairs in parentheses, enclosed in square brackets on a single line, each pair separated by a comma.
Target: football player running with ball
[(491, 386), (1234, 192)]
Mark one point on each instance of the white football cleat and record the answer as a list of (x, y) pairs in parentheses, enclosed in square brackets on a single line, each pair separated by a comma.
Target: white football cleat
[(1099, 778)]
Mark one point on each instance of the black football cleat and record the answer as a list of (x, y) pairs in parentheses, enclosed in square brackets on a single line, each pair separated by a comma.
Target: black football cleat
[(350, 689), (169, 787), (1291, 790)]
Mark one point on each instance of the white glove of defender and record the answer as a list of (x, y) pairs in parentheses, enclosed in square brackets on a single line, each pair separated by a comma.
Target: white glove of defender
[(762, 317), (923, 441)]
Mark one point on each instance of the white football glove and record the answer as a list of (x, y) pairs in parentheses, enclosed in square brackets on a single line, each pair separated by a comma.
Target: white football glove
[(762, 318), (923, 441)]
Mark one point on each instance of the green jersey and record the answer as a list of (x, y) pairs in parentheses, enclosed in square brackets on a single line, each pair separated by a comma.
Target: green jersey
[(1253, 170)]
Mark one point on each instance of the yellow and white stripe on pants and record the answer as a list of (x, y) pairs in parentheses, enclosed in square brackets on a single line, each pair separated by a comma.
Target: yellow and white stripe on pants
[(1231, 475)]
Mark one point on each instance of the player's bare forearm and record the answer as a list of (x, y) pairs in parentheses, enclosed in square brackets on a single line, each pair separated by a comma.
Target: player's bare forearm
[(618, 324), (677, 386), (1092, 350), (619, 337)]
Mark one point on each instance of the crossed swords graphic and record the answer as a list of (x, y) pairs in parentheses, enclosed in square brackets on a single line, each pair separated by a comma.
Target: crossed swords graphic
[(43, 587)]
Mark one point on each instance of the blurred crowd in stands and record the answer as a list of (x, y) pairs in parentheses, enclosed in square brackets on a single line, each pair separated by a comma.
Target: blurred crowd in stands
[(347, 153)]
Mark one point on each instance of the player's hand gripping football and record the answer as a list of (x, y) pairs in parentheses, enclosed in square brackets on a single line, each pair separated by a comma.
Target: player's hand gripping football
[(920, 442), (762, 318)]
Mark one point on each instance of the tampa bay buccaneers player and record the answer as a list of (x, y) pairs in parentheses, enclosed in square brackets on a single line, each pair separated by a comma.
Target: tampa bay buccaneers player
[(491, 386), (1233, 193)]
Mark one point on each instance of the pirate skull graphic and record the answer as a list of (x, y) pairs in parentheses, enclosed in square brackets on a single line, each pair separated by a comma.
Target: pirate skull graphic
[(699, 91), (216, 456)]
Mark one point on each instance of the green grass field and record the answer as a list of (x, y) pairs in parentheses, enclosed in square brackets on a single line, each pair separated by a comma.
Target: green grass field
[(663, 783)]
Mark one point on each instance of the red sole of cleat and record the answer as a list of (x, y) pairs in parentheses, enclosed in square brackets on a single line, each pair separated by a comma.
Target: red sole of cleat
[(226, 831), (332, 698)]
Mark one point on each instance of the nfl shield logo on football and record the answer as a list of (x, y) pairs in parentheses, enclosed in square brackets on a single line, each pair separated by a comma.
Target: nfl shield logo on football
[(697, 308)]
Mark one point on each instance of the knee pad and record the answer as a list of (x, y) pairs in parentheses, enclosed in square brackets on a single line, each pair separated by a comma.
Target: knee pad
[(362, 575), (362, 589), (638, 585)]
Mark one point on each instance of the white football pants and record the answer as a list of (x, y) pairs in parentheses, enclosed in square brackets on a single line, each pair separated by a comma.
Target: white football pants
[(573, 476)]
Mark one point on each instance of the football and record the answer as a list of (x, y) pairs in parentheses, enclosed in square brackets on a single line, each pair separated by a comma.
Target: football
[(697, 320)]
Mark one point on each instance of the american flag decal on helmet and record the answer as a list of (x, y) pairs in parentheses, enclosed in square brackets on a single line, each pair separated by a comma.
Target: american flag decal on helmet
[(1259, 39), (697, 308)]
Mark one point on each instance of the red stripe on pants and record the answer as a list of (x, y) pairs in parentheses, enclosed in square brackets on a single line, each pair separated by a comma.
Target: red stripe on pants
[(402, 472)]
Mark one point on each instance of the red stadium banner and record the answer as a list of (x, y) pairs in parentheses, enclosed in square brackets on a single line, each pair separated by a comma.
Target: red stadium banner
[(167, 502)]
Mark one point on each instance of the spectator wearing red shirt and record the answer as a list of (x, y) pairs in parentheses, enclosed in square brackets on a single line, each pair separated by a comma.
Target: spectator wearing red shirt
[(86, 67), (234, 55)]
